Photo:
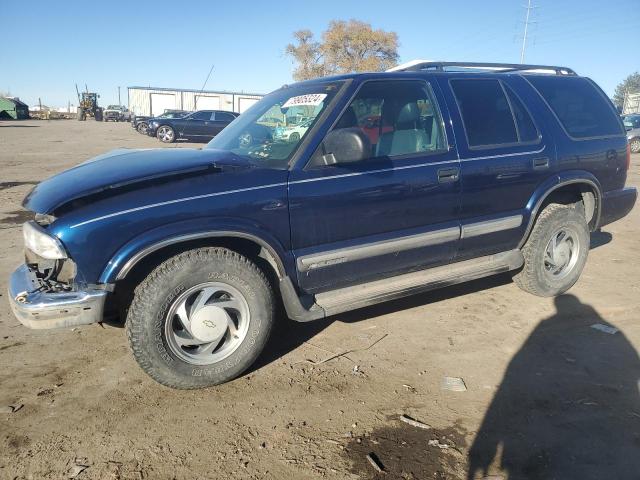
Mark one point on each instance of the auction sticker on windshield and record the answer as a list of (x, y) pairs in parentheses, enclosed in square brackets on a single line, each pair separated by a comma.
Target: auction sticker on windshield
[(310, 99)]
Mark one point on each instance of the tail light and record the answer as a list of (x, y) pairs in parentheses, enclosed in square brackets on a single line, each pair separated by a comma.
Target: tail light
[(628, 165)]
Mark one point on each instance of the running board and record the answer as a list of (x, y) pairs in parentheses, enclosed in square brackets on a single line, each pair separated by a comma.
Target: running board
[(363, 295)]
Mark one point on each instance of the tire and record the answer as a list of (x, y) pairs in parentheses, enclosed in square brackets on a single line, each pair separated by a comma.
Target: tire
[(634, 145), (166, 134), (155, 331), (294, 137), (549, 271), (142, 128)]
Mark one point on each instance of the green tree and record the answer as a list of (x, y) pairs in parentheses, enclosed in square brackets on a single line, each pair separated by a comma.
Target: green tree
[(346, 47), (631, 84)]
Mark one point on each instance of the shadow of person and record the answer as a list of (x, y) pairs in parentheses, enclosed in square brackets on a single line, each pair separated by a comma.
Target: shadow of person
[(568, 406)]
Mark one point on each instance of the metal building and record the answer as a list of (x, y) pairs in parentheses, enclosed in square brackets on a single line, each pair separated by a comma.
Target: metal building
[(11, 107), (631, 103), (154, 101)]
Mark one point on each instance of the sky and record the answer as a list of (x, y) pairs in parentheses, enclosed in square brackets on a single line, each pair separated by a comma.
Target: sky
[(49, 46)]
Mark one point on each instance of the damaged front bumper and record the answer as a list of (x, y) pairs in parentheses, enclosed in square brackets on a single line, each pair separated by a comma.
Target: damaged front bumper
[(38, 307)]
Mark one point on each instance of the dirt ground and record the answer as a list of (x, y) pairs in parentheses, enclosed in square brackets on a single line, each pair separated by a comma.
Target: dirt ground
[(546, 395)]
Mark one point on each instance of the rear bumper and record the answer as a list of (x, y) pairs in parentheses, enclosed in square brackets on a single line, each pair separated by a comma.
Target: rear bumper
[(617, 204), (41, 309)]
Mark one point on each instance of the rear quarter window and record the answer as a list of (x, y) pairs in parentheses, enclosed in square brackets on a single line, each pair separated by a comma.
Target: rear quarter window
[(579, 105)]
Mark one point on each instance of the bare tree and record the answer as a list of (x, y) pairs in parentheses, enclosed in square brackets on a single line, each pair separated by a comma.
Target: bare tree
[(307, 54), (346, 47)]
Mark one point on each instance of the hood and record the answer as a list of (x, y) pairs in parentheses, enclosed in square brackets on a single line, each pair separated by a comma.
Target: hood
[(124, 168)]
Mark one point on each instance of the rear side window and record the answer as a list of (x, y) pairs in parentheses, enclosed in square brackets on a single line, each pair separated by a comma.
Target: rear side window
[(202, 115), (581, 108), (224, 117), (527, 131), (485, 111)]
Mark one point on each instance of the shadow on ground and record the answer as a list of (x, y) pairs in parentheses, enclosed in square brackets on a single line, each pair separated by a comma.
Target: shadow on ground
[(567, 408)]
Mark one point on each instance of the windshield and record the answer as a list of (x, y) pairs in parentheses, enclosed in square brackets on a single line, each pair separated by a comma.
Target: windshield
[(264, 134)]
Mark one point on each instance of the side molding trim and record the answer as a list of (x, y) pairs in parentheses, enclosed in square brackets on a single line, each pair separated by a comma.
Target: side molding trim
[(350, 254), (491, 226)]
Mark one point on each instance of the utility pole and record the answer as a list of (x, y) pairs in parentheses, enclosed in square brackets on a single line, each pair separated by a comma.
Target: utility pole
[(526, 30), (119, 103)]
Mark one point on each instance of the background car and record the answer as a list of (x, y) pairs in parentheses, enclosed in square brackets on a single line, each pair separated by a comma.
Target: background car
[(291, 133), (202, 125), (116, 113), (141, 122)]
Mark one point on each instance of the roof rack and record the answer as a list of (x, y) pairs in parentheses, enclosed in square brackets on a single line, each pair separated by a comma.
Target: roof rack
[(418, 65)]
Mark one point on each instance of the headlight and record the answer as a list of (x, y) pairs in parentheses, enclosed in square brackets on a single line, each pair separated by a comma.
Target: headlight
[(41, 243)]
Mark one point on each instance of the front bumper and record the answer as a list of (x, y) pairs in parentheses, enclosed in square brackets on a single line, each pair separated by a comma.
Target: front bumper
[(41, 309), (617, 204)]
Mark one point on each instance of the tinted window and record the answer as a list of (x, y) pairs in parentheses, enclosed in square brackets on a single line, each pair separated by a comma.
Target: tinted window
[(398, 118), (485, 112), (224, 117), (527, 131), (580, 107), (204, 115)]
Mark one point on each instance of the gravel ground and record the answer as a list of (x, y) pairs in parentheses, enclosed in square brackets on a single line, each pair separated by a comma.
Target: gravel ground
[(546, 395)]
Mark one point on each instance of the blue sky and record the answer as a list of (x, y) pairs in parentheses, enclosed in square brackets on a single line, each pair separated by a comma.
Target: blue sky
[(173, 44)]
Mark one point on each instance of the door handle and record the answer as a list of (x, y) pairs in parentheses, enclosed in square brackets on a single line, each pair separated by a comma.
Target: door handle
[(448, 174), (540, 163)]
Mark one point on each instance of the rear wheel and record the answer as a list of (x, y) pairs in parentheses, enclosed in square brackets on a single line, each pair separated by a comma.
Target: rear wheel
[(166, 134), (201, 318), (555, 252), (634, 144)]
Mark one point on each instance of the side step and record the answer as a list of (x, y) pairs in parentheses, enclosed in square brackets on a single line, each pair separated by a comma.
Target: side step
[(363, 295)]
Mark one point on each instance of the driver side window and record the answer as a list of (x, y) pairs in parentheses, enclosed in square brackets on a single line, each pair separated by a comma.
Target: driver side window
[(387, 119)]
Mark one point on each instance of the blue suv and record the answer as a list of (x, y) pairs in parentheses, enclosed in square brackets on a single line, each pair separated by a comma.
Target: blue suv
[(398, 182)]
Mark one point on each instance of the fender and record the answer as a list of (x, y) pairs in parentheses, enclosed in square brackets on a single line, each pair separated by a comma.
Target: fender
[(555, 182), (127, 256)]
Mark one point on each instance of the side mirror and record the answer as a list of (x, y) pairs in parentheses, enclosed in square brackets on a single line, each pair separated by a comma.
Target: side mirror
[(346, 145)]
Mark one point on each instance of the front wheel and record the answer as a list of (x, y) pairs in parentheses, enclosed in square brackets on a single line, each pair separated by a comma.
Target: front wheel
[(166, 134), (555, 252), (201, 318), (634, 144), (142, 128)]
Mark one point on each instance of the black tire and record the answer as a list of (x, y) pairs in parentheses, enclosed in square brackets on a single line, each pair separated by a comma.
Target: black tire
[(155, 297), (538, 275), (166, 134), (634, 145), (294, 137), (142, 128)]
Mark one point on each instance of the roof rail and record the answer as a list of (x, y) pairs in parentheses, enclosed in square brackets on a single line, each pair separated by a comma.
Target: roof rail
[(417, 65)]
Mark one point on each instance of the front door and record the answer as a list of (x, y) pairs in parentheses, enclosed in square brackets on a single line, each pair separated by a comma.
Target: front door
[(391, 211)]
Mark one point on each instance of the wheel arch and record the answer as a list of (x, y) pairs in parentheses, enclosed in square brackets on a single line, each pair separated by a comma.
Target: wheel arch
[(568, 187), (126, 260)]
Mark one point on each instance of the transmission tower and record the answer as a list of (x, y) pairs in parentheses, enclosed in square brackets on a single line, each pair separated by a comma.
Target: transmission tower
[(527, 21)]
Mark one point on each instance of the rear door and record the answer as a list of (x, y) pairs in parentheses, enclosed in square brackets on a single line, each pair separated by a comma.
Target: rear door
[(504, 155), (198, 124), (392, 212), (219, 121)]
